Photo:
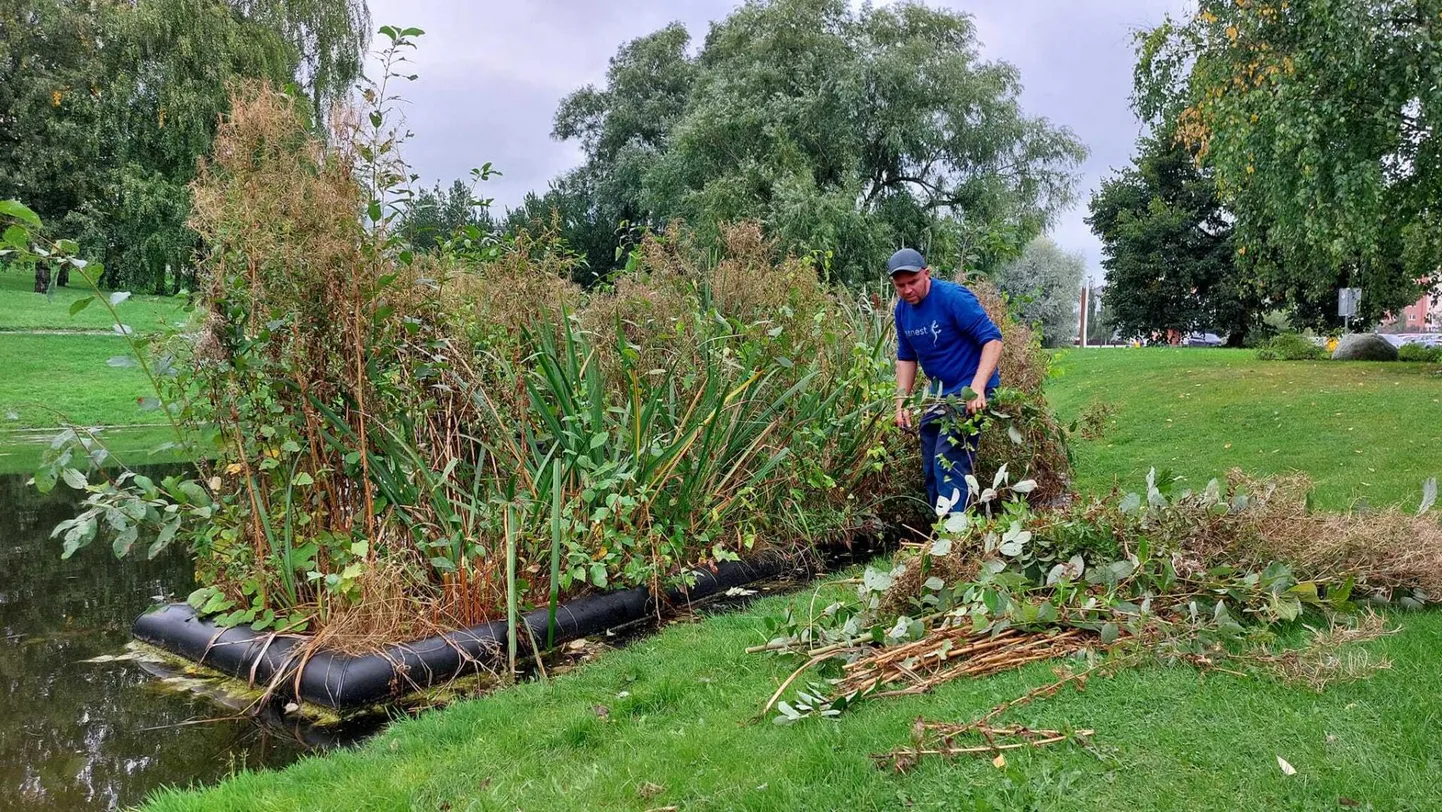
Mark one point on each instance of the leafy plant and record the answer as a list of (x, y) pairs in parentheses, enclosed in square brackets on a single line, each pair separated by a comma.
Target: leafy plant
[(1418, 353), (1292, 347)]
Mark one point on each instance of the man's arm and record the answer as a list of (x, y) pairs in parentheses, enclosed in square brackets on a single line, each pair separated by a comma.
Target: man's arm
[(990, 357), (905, 379)]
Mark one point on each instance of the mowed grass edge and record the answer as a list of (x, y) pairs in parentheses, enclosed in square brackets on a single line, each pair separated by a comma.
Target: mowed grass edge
[(1364, 432), (673, 721)]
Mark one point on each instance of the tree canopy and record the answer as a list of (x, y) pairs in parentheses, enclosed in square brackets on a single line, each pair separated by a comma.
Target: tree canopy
[(846, 132), (1044, 286), (436, 215), (1319, 122), (107, 105), (1167, 248)]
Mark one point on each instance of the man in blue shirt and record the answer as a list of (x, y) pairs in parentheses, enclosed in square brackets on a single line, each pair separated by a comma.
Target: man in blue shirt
[(941, 325)]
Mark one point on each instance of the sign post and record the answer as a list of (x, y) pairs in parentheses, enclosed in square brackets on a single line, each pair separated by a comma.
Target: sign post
[(1347, 299)]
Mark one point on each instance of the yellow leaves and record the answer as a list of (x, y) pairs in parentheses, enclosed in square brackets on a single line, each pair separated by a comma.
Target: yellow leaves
[(1241, 250), (1251, 169), (162, 118), (1208, 17), (234, 468), (55, 97), (1232, 33)]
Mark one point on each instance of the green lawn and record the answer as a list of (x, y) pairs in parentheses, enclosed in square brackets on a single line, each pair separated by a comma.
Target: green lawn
[(679, 708), (52, 379), (1368, 431), (669, 722), (23, 309)]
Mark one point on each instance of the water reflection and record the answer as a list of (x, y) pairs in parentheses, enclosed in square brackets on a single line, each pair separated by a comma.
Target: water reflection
[(76, 735)]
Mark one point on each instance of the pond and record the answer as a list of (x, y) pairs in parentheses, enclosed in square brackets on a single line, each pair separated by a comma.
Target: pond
[(83, 736)]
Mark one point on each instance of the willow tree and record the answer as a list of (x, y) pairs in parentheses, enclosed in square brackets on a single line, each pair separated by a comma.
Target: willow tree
[(50, 144), (138, 93), (1319, 121), (845, 130)]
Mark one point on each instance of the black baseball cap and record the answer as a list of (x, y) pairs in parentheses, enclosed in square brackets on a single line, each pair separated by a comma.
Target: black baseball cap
[(907, 259)]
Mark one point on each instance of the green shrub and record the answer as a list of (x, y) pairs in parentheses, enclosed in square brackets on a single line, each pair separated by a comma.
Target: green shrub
[(1417, 352), (1291, 347)]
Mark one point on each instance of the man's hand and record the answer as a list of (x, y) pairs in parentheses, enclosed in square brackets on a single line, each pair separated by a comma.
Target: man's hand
[(976, 404), (903, 417)]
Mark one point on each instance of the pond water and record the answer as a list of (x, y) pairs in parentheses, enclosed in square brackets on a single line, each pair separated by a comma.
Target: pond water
[(85, 736)]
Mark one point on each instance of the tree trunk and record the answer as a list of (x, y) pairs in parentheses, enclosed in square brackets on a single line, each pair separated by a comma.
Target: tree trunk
[(62, 276), (42, 277)]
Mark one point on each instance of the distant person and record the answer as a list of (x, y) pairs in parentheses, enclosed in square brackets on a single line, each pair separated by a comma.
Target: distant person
[(941, 325)]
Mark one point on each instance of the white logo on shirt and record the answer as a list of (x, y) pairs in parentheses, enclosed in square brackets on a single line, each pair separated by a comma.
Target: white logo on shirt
[(934, 330)]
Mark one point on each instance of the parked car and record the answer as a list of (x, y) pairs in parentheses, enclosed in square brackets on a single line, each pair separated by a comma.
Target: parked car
[(1425, 339), (1202, 340)]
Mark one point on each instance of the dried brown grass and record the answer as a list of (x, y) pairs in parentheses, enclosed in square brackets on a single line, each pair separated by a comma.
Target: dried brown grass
[(956, 567), (1042, 453), (1023, 364), (1383, 549), (522, 289), (1331, 656)]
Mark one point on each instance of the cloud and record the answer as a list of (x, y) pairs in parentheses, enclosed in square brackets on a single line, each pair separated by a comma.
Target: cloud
[(492, 73)]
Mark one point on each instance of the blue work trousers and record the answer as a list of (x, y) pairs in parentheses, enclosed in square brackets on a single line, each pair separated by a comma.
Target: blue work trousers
[(947, 456)]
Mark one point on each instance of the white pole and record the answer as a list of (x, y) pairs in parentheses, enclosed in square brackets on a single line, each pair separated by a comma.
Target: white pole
[(1084, 305)]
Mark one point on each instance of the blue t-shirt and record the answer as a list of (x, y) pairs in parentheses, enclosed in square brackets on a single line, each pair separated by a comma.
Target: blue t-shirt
[(945, 333)]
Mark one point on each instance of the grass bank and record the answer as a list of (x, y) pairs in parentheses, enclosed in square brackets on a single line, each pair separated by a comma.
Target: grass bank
[(21, 450), (22, 309), (671, 721), (49, 380), (1362, 431)]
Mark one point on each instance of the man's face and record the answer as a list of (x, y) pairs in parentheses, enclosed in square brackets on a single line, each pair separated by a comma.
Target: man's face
[(912, 286)]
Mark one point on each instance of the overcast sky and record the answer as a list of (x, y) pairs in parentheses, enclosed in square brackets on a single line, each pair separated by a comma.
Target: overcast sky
[(492, 72)]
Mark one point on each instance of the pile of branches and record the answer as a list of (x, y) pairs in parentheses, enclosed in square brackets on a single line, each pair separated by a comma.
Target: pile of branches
[(981, 737), (1181, 576)]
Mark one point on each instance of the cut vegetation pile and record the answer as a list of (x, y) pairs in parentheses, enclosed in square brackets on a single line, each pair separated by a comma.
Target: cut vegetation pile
[(1197, 577)]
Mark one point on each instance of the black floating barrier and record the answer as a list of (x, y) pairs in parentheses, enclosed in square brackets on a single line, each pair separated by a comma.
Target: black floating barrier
[(345, 681)]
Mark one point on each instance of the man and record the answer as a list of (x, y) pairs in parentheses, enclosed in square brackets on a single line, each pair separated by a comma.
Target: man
[(941, 325)]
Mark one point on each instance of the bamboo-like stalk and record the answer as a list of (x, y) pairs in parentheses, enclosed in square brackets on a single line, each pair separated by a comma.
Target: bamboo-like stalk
[(555, 552), (511, 613)]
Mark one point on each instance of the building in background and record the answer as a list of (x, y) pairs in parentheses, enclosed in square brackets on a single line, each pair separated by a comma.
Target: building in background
[(1423, 316)]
